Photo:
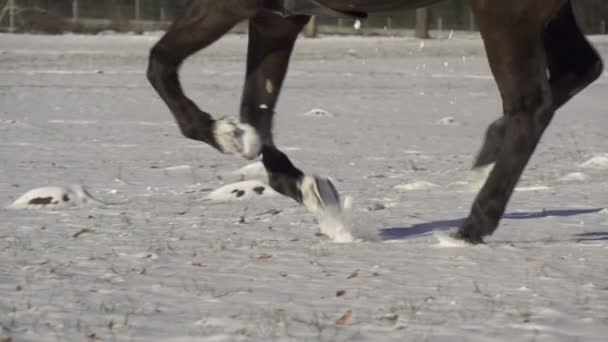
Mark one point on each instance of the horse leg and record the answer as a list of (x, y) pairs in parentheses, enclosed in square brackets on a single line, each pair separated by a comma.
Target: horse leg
[(518, 62), (202, 23), (569, 73), (271, 41)]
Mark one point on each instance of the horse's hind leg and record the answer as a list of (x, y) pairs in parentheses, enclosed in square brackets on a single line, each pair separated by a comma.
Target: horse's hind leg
[(202, 23), (517, 59), (572, 63)]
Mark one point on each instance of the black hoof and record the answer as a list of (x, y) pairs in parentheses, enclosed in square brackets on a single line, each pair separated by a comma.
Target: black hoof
[(469, 238)]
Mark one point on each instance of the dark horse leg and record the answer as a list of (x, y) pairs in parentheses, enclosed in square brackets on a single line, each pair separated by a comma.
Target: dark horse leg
[(513, 37), (572, 64), (201, 24), (271, 41)]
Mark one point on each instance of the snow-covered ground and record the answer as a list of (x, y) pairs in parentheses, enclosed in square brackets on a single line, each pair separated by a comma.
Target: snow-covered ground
[(396, 126)]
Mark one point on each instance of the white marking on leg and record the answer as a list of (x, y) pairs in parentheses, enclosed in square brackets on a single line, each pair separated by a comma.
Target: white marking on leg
[(269, 87), (237, 138)]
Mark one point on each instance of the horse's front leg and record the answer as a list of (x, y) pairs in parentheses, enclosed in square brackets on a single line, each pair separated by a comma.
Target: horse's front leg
[(271, 41), (202, 23), (518, 61)]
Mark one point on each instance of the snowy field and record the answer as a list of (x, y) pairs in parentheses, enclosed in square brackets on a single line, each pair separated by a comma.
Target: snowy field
[(161, 263)]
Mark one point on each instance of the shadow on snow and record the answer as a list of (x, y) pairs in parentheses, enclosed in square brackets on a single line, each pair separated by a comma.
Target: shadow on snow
[(426, 228)]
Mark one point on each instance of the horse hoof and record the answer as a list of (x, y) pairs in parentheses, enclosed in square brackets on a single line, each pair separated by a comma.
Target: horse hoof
[(459, 235), (234, 137), (319, 194)]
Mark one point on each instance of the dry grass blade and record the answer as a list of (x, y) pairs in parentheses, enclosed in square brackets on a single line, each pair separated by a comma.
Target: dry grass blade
[(83, 231), (353, 275), (264, 256), (345, 317)]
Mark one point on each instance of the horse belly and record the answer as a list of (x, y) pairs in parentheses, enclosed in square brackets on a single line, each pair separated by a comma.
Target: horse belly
[(369, 6)]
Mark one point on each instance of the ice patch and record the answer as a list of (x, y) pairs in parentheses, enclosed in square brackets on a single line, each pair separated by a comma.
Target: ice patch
[(415, 186), (317, 112), (241, 191), (464, 76), (448, 121), (54, 198), (532, 188), (73, 122), (574, 177), (597, 162), (178, 170)]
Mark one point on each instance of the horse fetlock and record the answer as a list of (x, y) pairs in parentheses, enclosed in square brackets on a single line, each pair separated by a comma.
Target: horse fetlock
[(233, 137)]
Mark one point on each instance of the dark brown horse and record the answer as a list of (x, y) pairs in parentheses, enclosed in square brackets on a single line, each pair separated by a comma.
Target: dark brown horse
[(537, 53)]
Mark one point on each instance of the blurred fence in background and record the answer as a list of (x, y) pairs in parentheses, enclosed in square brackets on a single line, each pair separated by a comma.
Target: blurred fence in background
[(56, 16)]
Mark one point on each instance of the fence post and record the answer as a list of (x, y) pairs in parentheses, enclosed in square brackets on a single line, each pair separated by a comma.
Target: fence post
[(471, 20), (75, 13), (11, 15), (138, 24), (137, 10), (422, 23), (310, 31)]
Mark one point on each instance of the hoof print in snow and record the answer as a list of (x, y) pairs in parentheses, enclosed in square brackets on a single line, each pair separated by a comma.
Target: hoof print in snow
[(54, 198), (241, 191), (319, 113)]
